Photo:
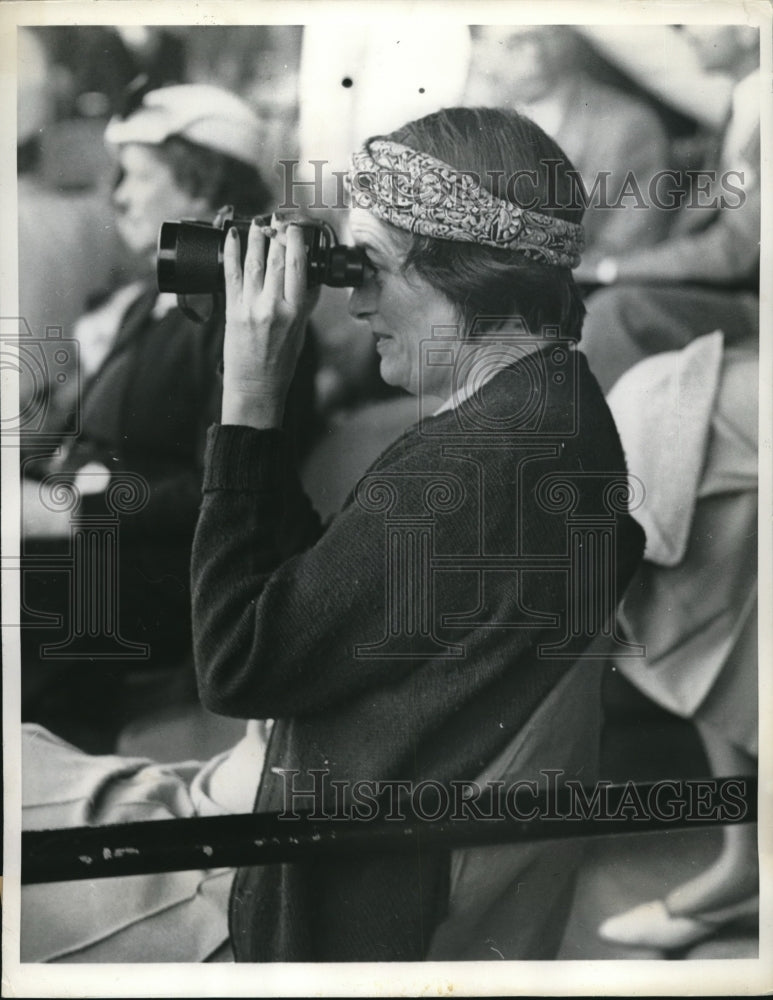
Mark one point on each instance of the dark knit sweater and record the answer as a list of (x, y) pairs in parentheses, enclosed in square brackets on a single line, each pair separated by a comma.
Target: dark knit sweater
[(280, 609)]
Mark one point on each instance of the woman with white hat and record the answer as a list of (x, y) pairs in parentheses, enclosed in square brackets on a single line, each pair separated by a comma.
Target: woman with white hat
[(151, 386)]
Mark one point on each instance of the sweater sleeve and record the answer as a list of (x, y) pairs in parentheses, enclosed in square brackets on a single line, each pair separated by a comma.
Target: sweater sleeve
[(279, 608), (274, 600)]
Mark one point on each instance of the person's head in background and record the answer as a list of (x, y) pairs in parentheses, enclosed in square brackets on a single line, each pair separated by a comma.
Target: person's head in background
[(185, 152), (522, 64), (416, 280), (725, 48), (34, 99)]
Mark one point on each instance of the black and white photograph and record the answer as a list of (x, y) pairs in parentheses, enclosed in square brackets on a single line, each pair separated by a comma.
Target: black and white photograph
[(386, 496)]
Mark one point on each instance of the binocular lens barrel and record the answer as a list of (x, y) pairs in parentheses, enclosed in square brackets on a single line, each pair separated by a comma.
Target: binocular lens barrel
[(190, 258)]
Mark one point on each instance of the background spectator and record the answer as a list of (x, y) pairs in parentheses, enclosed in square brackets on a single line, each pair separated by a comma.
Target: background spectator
[(544, 72), (705, 275), (68, 249), (151, 390), (688, 421)]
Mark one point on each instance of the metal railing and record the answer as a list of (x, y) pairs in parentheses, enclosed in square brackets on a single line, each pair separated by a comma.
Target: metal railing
[(268, 838)]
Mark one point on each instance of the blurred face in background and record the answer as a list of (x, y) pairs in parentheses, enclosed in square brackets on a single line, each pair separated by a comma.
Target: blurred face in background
[(525, 63), (146, 195), (721, 47)]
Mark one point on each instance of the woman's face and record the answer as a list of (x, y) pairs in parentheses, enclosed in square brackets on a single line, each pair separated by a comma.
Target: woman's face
[(401, 308), (146, 195)]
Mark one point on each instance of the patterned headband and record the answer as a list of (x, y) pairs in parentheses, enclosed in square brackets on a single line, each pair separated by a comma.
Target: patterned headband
[(414, 191)]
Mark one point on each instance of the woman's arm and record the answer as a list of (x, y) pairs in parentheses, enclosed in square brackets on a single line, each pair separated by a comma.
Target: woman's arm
[(277, 636), (253, 634)]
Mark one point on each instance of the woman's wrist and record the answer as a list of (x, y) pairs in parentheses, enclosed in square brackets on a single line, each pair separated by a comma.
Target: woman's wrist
[(259, 406)]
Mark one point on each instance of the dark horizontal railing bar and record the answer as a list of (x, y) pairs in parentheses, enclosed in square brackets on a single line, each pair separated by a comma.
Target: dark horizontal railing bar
[(92, 852)]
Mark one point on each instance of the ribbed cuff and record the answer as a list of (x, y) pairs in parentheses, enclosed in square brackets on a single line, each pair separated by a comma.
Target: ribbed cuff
[(243, 458)]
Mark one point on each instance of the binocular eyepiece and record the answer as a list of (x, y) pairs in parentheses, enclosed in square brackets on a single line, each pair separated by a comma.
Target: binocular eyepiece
[(190, 255)]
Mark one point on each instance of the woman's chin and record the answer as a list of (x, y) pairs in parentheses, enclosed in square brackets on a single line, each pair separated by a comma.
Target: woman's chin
[(391, 374)]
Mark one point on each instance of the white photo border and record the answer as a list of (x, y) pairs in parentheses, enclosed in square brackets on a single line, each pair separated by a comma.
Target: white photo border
[(714, 977)]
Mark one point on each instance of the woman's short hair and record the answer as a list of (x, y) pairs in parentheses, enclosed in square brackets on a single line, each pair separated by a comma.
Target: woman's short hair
[(483, 282), (221, 179)]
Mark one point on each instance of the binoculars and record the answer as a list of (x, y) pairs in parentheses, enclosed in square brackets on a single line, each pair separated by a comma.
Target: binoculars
[(190, 254)]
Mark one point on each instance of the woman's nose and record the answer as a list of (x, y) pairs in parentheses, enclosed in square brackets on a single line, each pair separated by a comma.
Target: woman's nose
[(361, 302)]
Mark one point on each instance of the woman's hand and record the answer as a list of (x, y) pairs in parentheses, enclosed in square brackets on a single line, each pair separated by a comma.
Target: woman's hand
[(267, 306)]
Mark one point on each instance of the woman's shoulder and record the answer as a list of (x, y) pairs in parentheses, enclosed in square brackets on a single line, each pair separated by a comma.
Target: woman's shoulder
[(551, 398), (547, 396)]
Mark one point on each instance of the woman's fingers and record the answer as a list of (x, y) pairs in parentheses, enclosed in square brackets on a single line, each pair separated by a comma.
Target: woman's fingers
[(254, 261), (266, 305), (274, 270), (295, 268), (275, 263), (232, 267)]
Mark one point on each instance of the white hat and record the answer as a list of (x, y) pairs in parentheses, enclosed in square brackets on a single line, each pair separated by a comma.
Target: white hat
[(198, 112)]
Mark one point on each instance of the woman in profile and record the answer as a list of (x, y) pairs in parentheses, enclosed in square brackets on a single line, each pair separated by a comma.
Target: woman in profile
[(473, 309)]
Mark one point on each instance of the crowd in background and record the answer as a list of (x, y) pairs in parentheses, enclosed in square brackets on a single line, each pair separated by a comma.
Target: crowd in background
[(658, 282), (317, 96)]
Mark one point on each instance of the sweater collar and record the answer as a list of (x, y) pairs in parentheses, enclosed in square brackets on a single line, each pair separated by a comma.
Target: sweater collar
[(475, 381)]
